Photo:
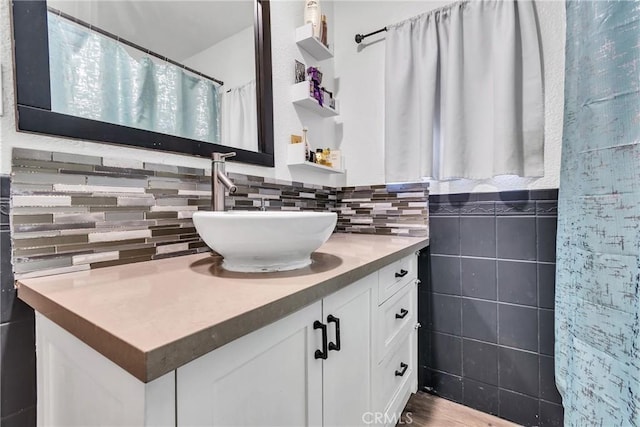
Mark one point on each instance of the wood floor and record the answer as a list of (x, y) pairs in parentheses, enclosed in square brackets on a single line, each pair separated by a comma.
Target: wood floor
[(425, 410)]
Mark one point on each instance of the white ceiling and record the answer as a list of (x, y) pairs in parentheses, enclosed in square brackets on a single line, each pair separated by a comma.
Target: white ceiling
[(177, 29)]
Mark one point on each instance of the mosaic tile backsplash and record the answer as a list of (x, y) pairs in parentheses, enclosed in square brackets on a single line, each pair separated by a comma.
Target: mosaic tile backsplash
[(401, 209), (72, 212)]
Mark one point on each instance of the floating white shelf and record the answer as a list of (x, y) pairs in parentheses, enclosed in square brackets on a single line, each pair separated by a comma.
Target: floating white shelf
[(295, 158), (306, 40), (315, 166), (300, 96)]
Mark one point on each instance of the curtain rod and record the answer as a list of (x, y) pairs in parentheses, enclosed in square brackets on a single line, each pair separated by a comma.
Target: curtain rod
[(360, 37), (130, 44)]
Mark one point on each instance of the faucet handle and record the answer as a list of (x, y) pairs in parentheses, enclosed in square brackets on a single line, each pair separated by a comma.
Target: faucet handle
[(220, 157)]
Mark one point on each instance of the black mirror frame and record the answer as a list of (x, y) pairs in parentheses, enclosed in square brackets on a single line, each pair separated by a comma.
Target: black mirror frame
[(33, 93)]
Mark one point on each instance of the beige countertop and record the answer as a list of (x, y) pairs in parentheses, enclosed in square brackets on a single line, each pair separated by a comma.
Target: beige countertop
[(152, 317)]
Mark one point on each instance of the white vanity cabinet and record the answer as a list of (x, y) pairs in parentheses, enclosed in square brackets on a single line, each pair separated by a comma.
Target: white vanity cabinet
[(344, 360), (77, 386), (346, 379), (288, 374), (267, 378), (396, 339), (311, 368)]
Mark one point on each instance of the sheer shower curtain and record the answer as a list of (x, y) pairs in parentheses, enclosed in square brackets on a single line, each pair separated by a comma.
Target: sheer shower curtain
[(93, 76), (463, 96), (597, 307)]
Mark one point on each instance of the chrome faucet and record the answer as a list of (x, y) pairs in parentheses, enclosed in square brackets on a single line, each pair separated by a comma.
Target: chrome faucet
[(220, 181)]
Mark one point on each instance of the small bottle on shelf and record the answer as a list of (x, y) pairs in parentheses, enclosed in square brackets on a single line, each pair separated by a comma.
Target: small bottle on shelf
[(323, 32), (326, 157), (307, 147), (312, 16)]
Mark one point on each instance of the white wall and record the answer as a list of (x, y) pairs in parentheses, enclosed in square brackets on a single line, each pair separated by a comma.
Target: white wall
[(238, 66), (360, 72), (285, 17)]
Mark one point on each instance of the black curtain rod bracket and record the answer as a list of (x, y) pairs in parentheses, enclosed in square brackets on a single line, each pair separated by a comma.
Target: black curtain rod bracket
[(360, 37)]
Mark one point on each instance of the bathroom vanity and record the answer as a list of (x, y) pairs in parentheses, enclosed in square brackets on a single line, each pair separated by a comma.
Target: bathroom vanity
[(182, 342)]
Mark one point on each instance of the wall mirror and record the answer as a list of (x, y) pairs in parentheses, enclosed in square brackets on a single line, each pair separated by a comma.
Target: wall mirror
[(190, 77)]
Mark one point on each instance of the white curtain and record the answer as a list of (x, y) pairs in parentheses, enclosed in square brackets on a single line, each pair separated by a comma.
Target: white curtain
[(240, 117), (464, 93)]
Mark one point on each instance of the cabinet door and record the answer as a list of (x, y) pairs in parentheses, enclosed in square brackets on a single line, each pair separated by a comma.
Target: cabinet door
[(80, 387), (347, 372), (269, 377)]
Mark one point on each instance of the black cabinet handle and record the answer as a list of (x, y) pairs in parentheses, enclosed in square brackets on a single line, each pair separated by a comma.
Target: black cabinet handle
[(402, 273), (403, 314), (403, 369), (321, 354), (333, 319)]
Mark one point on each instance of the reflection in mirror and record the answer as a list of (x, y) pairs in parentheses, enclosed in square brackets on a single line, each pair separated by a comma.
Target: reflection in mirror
[(183, 68)]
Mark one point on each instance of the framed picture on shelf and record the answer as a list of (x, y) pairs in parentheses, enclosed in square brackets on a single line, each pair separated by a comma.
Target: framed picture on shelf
[(300, 74)]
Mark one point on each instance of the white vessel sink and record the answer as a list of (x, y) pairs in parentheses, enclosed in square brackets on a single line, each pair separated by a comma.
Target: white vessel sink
[(264, 241)]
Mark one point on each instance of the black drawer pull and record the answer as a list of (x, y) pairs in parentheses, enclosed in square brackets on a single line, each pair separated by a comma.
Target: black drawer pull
[(333, 319), (403, 369), (403, 314), (321, 354), (402, 273)]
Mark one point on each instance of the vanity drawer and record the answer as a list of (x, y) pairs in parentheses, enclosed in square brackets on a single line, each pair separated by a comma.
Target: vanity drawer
[(396, 317), (395, 275), (395, 372)]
